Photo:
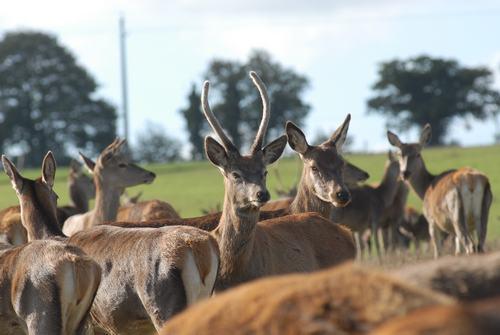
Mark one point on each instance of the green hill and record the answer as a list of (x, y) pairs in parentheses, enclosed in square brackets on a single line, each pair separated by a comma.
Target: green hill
[(193, 186)]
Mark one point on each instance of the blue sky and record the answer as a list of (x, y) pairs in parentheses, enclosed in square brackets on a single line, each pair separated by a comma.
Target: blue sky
[(337, 44)]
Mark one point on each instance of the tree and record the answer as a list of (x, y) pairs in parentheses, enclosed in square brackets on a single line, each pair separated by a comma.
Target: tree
[(236, 101), (154, 146), (195, 123), (47, 101), (424, 90)]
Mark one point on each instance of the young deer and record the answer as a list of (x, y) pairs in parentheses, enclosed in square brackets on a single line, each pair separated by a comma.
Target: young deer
[(147, 274), (46, 287), (81, 190), (455, 201), (112, 174), (368, 204), (347, 299)]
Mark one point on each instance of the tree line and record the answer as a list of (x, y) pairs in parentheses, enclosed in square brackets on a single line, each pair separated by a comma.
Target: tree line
[(49, 101)]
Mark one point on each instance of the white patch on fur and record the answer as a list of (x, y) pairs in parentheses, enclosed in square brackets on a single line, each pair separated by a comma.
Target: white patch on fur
[(73, 224), (191, 277)]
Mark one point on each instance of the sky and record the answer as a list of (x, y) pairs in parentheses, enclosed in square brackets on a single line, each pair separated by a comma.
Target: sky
[(337, 44)]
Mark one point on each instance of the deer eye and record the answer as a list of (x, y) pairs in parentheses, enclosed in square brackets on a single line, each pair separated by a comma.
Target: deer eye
[(122, 165), (314, 168), (236, 175)]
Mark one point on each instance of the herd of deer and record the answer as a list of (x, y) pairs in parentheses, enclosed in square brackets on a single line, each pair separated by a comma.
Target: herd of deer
[(135, 269)]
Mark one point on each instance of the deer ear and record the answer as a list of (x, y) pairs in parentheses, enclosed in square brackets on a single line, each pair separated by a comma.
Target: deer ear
[(425, 136), (353, 174), (340, 135), (296, 138), (49, 169), (89, 163), (216, 153), (15, 177), (394, 139), (273, 150)]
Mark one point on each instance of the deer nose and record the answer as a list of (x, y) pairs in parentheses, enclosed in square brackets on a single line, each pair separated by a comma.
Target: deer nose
[(343, 196), (263, 196), (150, 177), (406, 174)]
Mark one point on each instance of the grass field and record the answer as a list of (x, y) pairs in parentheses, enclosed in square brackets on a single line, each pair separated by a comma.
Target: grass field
[(193, 186)]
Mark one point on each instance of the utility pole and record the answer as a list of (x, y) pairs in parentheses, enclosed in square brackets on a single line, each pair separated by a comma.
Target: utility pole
[(123, 63)]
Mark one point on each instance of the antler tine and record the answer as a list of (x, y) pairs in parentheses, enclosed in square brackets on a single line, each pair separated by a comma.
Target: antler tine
[(266, 107), (212, 120)]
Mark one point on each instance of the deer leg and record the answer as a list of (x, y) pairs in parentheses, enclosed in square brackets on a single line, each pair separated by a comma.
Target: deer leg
[(482, 222), (432, 234), (359, 245), (375, 236)]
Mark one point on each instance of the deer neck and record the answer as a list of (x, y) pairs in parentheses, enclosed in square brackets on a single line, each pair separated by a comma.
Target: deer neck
[(307, 201), (388, 186), (107, 201), (78, 198), (235, 235), (39, 222), (420, 180)]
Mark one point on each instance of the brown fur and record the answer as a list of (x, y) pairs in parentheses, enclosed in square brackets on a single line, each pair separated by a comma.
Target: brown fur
[(147, 273), (46, 287), (146, 211), (479, 318), (466, 277), (348, 299), (393, 217), (368, 205), (455, 201)]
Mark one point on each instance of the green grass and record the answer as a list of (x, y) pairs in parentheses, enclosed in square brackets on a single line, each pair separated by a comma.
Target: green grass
[(193, 186)]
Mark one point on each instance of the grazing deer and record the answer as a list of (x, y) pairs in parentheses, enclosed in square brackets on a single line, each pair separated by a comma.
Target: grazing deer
[(46, 287), (478, 318), (347, 299), (112, 174), (81, 190), (368, 204), (414, 227), (455, 201), (148, 275), (146, 211)]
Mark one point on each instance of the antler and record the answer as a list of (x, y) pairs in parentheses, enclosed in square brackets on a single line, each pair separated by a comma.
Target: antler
[(212, 120), (266, 107)]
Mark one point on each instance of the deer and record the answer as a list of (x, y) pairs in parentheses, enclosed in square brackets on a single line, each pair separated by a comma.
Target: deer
[(366, 209), (81, 190), (414, 227), (46, 287), (454, 201), (251, 248), (467, 278), (148, 275), (112, 173), (347, 299), (480, 317)]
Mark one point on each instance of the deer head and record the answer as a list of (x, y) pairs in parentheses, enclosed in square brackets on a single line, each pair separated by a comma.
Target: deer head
[(325, 170), (36, 197), (410, 159), (114, 168), (244, 175), (80, 184)]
